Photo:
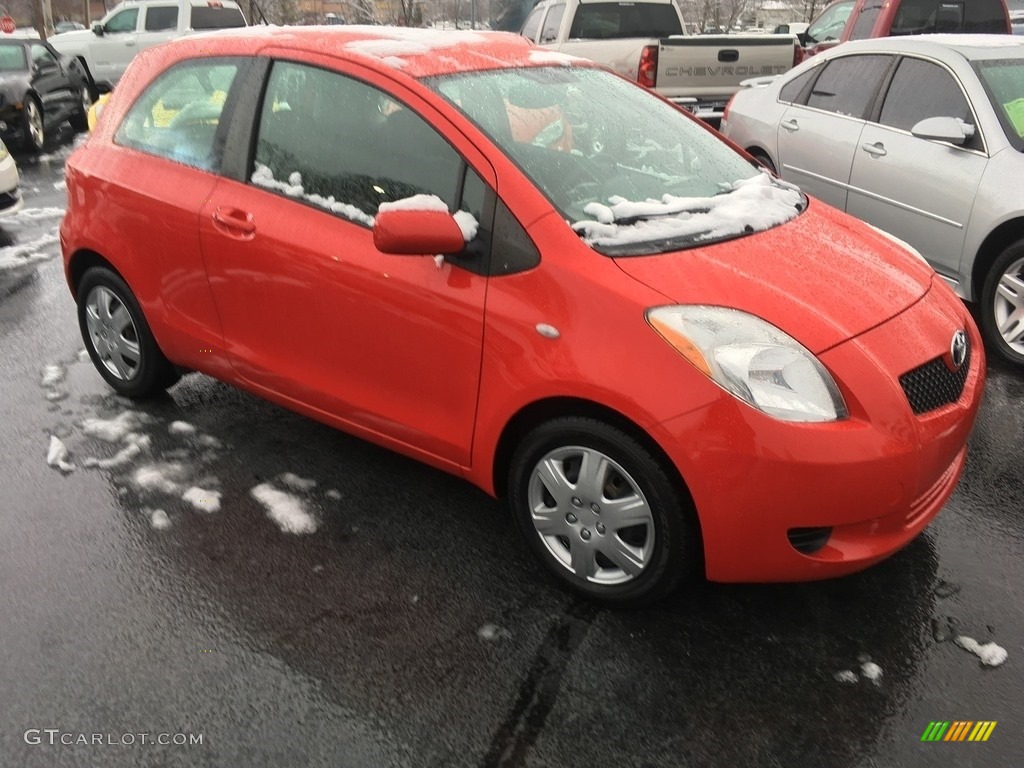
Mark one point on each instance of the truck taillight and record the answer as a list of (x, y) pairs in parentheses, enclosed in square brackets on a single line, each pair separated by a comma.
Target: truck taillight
[(647, 73), (798, 53)]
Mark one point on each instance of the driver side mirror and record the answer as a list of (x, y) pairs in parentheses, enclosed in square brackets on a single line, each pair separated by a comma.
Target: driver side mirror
[(804, 39), (417, 233), (950, 129), (97, 29)]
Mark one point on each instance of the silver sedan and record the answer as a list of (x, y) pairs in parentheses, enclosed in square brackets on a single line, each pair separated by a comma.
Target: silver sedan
[(923, 137)]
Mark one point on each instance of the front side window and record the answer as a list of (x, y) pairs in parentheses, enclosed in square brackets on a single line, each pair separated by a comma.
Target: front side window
[(849, 85), (42, 57), (628, 171), (342, 145), (532, 24), (921, 89), (865, 22), (552, 23), (125, 21), (831, 23), (159, 18), (178, 116), (613, 21)]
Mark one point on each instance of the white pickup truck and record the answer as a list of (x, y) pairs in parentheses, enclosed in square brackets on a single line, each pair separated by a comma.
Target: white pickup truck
[(133, 26), (646, 41)]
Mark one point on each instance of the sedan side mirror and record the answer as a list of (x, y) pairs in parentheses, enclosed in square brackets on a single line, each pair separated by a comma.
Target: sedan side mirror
[(417, 233), (951, 129), (97, 29)]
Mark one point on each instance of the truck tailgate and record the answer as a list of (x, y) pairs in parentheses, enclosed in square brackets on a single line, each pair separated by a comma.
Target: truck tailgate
[(711, 67)]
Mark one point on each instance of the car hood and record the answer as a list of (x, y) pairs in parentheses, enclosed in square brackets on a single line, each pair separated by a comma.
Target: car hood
[(76, 36), (822, 277)]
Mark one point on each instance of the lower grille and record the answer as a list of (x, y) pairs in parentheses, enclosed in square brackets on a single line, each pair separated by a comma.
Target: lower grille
[(807, 541), (933, 385)]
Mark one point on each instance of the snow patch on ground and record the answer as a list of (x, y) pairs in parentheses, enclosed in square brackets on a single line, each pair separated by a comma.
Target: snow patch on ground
[(991, 655), (36, 214), (162, 477), (203, 500), (181, 428), (296, 483), (57, 456), (333, 494), (286, 510), (846, 676), (121, 459), (493, 632), (19, 262), (209, 441), (159, 520), (112, 430), (871, 671), (83, 356), (53, 375)]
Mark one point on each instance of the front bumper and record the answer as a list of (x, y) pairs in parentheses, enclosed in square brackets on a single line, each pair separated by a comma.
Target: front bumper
[(876, 479)]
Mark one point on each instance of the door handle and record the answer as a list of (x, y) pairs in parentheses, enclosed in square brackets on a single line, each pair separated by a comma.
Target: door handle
[(875, 150), (237, 222), (791, 125)]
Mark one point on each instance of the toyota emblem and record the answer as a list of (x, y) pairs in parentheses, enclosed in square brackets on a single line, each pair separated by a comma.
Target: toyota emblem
[(958, 350)]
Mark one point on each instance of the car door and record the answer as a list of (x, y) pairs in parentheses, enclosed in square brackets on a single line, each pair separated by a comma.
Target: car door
[(115, 49), (818, 138), (50, 80), (159, 24), (311, 310), (919, 190)]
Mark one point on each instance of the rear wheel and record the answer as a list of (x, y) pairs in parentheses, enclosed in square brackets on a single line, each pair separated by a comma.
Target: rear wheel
[(118, 338), (1002, 305), (601, 512)]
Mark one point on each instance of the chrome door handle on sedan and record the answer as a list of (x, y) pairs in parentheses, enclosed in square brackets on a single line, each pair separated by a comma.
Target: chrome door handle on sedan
[(791, 125), (875, 150)]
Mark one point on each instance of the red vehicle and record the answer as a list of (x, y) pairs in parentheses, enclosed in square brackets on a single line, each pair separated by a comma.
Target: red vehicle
[(668, 360), (861, 19)]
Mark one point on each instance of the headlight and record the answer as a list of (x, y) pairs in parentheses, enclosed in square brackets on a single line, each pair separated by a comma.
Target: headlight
[(752, 360)]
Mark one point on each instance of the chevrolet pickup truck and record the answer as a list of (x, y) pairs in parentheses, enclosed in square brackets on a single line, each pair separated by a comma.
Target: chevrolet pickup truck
[(645, 40), (107, 48)]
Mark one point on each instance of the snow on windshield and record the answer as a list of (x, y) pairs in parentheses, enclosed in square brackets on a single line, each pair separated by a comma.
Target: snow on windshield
[(751, 205)]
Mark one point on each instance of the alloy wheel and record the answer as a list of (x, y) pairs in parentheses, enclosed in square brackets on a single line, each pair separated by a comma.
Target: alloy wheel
[(35, 122), (1008, 306), (112, 333), (591, 515)]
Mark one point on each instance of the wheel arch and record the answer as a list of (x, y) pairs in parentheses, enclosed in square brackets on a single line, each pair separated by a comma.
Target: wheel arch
[(81, 261), (536, 413), (997, 241), (756, 150)]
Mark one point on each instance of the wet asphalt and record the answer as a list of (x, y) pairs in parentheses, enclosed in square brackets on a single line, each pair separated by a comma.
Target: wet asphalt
[(412, 628)]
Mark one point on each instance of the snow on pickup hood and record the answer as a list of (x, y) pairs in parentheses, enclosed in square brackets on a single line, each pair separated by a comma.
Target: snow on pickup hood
[(823, 277)]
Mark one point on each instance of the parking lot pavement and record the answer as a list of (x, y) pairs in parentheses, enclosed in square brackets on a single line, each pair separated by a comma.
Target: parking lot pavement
[(305, 598)]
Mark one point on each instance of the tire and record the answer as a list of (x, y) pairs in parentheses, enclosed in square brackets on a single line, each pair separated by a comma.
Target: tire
[(764, 160), (630, 552), (118, 337), (32, 125), (80, 119), (1002, 305)]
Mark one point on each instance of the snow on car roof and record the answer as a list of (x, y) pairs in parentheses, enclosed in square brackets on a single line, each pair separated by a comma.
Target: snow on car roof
[(417, 52)]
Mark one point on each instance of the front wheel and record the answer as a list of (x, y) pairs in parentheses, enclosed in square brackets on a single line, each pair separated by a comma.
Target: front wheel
[(601, 512), (118, 338), (34, 133), (1002, 305), (80, 119)]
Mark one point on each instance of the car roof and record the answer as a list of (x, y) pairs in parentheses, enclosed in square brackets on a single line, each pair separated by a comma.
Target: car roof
[(415, 52), (970, 47)]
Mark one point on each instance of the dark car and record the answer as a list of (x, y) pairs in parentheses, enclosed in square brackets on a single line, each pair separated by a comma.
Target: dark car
[(40, 89)]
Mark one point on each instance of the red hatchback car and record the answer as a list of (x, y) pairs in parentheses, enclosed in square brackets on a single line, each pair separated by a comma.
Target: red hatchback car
[(524, 270)]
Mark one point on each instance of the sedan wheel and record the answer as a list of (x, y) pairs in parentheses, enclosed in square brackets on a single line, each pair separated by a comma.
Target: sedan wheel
[(118, 338), (80, 119), (1002, 305), (35, 135), (603, 513)]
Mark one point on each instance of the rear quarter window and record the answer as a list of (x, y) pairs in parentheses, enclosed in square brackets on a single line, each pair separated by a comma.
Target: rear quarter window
[(211, 17), (610, 21)]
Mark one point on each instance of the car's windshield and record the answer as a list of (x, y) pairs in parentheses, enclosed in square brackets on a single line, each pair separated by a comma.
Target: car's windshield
[(628, 171), (12, 57), (1004, 81)]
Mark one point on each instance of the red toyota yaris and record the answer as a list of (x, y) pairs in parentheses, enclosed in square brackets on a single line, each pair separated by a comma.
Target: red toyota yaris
[(522, 269)]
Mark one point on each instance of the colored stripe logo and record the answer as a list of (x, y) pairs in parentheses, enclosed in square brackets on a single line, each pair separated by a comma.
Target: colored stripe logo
[(958, 730)]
